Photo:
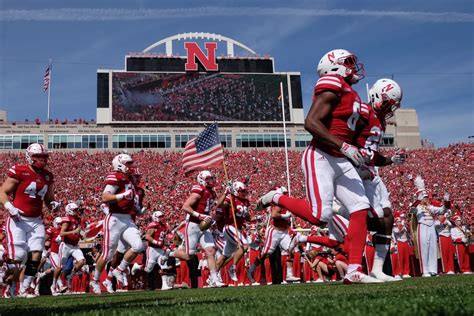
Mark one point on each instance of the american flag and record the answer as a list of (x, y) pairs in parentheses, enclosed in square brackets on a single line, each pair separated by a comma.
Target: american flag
[(46, 77), (203, 151)]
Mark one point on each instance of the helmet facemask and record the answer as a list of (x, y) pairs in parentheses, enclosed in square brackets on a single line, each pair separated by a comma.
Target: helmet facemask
[(354, 71)]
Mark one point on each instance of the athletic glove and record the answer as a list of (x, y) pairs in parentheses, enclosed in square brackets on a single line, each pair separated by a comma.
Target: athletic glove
[(128, 195), (14, 212), (54, 205), (352, 152)]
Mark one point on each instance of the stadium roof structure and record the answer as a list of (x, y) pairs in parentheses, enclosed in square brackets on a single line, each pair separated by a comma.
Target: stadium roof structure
[(168, 42)]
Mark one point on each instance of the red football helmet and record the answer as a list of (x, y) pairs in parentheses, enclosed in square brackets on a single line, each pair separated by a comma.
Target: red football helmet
[(37, 156)]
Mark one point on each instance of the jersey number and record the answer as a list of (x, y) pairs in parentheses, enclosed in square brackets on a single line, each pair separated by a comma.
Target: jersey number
[(352, 121), (31, 191)]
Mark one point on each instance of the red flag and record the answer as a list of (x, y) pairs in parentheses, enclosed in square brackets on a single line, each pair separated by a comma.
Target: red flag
[(46, 78), (203, 151)]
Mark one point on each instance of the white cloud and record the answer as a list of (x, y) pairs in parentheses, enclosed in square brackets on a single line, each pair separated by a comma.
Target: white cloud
[(90, 14)]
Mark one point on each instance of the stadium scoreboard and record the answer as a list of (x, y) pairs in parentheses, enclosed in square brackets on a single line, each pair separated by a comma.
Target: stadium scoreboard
[(198, 87)]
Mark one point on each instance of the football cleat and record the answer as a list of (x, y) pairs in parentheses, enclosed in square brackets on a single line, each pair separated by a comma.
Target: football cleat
[(426, 275), (292, 279), (135, 268), (118, 275), (6, 293), (383, 277), (467, 273), (232, 273), (265, 200), (357, 276), (95, 287), (25, 294), (108, 285), (407, 276)]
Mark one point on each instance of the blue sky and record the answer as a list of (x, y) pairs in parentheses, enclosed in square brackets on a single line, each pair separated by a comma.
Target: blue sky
[(428, 46)]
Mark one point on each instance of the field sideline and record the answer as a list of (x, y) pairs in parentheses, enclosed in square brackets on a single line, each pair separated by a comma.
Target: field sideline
[(417, 296)]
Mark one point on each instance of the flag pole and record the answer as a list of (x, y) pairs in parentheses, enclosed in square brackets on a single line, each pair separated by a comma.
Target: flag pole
[(284, 135), (286, 146), (49, 86)]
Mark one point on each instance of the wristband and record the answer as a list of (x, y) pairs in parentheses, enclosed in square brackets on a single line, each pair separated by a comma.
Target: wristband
[(119, 197), (155, 242), (8, 205), (195, 214)]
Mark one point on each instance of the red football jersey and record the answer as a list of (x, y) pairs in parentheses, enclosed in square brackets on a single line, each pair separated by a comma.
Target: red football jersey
[(31, 190), (159, 235), (206, 202), (343, 119), (73, 223), (124, 183), (53, 233), (370, 130), (281, 222), (241, 208)]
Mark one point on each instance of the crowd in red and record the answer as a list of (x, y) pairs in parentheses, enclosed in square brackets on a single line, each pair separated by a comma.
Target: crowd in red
[(79, 176)]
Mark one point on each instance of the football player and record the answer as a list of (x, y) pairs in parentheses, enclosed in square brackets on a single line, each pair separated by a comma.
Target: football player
[(328, 162), (155, 236), (276, 235), (70, 234), (30, 185), (198, 208), (52, 235), (119, 194), (385, 97), (235, 210)]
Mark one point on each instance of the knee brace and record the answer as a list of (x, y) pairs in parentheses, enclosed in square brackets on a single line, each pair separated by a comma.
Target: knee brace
[(31, 267)]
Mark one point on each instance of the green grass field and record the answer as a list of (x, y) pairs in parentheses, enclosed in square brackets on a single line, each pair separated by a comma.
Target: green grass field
[(416, 296)]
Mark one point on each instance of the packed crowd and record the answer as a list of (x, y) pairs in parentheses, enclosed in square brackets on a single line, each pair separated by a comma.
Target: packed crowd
[(196, 98), (80, 176)]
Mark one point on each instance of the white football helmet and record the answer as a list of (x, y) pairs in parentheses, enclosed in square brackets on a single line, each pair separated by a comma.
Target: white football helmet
[(71, 209), (156, 216), (343, 63), (385, 97), (239, 189), (37, 155), (206, 178), (57, 222), (123, 163)]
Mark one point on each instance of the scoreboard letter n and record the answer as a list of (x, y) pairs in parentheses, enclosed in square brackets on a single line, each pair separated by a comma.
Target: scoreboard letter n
[(208, 61)]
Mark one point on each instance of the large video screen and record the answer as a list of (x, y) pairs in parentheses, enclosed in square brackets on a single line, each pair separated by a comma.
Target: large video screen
[(195, 97)]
